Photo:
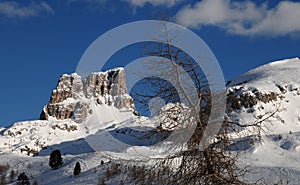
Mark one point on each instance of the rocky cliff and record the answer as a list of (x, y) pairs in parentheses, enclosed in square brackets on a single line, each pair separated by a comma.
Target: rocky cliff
[(73, 95)]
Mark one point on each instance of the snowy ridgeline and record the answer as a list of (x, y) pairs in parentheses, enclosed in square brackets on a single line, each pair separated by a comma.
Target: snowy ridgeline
[(274, 87)]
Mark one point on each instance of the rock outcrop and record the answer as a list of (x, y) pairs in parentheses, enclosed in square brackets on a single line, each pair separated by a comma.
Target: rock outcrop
[(238, 97), (73, 95)]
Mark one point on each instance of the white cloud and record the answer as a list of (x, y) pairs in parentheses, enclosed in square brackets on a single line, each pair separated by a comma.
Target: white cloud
[(12, 9), (141, 3), (243, 17)]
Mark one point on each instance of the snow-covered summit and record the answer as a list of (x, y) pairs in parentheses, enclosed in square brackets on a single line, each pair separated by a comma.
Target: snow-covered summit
[(276, 84), (269, 95), (271, 76)]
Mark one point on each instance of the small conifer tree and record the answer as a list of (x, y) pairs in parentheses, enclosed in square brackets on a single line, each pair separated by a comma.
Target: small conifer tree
[(23, 179), (55, 159), (77, 169)]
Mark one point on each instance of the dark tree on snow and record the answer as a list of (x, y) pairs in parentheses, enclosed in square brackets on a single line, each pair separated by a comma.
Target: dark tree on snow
[(23, 179), (12, 175), (77, 169), (55, 159)]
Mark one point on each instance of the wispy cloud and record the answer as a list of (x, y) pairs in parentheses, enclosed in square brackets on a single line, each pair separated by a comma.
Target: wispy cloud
[(141, 3), (88, 1), (134, 3), (242, 17), (13, 9)]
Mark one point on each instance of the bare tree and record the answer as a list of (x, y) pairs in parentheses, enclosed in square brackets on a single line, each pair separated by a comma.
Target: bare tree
[(213, 165)]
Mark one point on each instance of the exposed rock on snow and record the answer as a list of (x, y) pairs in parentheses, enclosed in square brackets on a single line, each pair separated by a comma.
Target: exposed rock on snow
[(264, 84), (238, 97), (266, 89), (73, 95)]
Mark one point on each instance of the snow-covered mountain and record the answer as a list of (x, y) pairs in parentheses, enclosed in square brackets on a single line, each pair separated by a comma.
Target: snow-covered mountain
[(97, 102), (272, 86), (100, 105), (270, 93)]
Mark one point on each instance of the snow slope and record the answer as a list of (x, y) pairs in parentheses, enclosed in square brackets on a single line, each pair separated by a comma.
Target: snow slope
[(278, 153), (36, 135), (268, 77)]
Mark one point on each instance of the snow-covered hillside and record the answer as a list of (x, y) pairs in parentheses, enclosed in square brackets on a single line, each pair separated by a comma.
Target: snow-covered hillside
[(108, 124), (271, 90), (84, 117), (274, 86)]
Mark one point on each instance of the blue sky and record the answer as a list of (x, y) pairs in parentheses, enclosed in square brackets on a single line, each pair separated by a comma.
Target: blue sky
[(41, 40)]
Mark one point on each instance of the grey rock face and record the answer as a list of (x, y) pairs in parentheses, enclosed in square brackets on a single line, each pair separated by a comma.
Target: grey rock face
[(72, 96), (238, 97)]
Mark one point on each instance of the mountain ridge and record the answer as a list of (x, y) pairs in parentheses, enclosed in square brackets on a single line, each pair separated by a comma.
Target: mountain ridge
[(258, 92)]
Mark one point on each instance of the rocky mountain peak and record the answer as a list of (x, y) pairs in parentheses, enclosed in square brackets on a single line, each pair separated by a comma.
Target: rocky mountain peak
[(73, 95)]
